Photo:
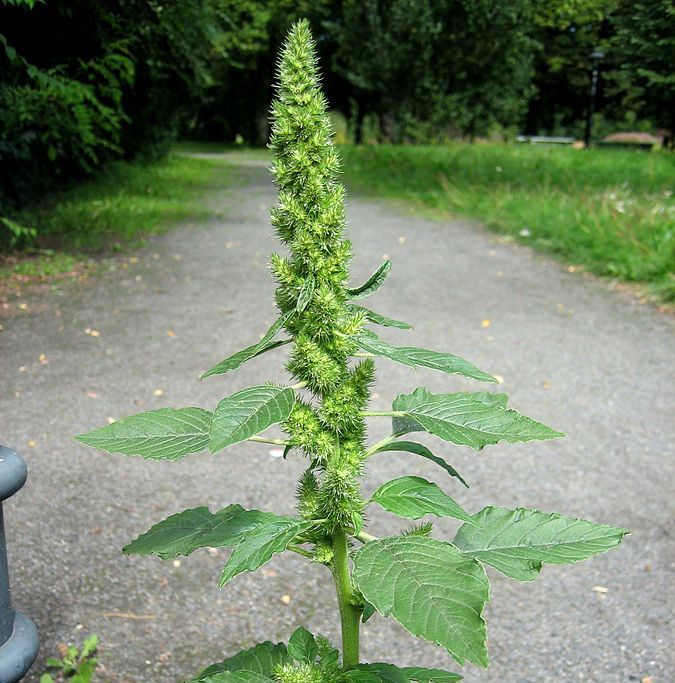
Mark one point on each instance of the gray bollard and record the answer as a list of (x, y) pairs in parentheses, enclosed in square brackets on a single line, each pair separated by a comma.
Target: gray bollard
[(18, 635)]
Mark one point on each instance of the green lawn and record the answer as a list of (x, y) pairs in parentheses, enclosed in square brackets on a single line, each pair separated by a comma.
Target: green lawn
[(116, 210), (610, 211)]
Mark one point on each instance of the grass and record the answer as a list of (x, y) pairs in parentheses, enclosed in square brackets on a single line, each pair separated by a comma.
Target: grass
[(609, 211), (115, 211)]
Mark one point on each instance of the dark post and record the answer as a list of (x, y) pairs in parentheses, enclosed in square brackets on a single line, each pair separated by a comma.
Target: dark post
[(596, 56), (18, 635)]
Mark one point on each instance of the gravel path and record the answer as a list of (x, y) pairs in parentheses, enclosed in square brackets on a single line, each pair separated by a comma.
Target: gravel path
[(572, 354)]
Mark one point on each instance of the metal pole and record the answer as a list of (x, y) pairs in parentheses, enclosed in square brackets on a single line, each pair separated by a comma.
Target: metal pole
[(18, 635)]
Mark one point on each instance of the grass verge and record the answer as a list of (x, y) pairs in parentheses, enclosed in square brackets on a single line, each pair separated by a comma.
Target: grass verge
[(611, 212), (114, 212)]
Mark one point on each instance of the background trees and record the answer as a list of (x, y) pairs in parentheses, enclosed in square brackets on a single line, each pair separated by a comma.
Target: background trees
[(85, 81)]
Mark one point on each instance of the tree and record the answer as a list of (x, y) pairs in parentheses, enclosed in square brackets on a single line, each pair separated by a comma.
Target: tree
[(446, 63), (643, 55)]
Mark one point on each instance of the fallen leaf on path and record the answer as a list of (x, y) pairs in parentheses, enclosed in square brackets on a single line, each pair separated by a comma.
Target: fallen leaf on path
[(158, 392), (499, 378), (170, 333), (92, 394), (401, 240), (43, 359), (176, 563), (486, 323), (31, 443), (23, 307), (546, 384), (110, 420), (286, 599), (601, 589), (92, 333)]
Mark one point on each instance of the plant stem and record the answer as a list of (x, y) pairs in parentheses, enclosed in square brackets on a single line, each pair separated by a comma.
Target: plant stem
[(349, 615), (300, 551), (383, 413), (364, 537), (263, 439), (373, 449)]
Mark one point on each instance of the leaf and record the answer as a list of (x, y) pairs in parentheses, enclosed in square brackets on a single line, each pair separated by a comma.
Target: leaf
[(474, 420), (306, 294), (379, 319), (368, 611), (379, 672), (258, 545), (156, 434), (185, 532), (302, 646), (423, 675), (414, 357), (414, 497), (430, 588), (261, 659), (388, 673), (419, 449), (372, 284), (265, 344), (517, 542), (89, 646), (247, 413), (237, 677)]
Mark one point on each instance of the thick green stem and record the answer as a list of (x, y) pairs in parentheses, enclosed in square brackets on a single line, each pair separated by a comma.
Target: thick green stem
[(349, 615)]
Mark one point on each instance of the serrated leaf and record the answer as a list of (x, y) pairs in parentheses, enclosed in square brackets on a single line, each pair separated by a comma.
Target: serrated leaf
[(388, 673), (185, 532), (423, 675), (474, 420), (517, 542), (379, 319), (265, 344), (258, 545), (423, 451), (360, 676), (261, 659), (164, 434), (306, 294), (302, 646), (414, 357), (247, 413), (237, 677), (372, 284), (378, 672), (415, 497), (431, 588)]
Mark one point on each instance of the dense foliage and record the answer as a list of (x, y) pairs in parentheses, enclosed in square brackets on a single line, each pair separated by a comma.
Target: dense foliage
[(83, 82), (434, 589)]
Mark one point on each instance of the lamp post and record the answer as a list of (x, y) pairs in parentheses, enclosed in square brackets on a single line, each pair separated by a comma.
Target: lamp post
[(18, 635), (596, 56)]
